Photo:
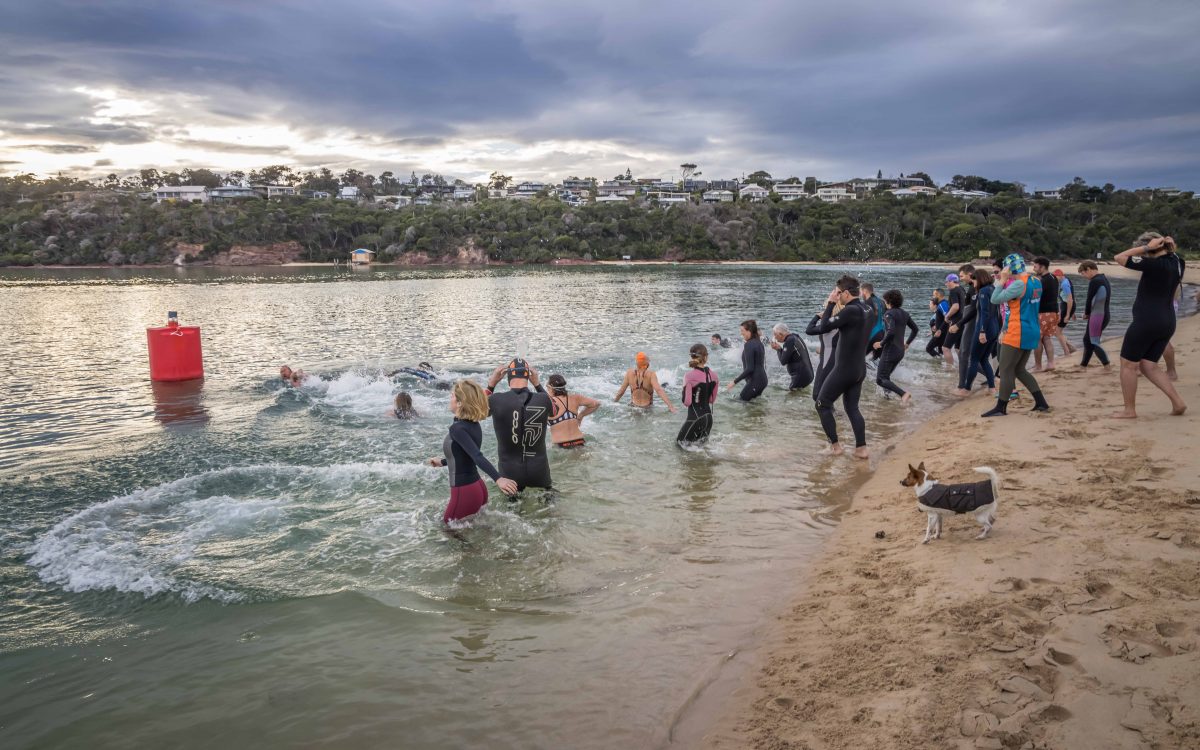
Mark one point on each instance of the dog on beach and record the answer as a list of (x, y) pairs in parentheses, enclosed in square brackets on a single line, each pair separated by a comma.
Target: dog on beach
[(939, 500)]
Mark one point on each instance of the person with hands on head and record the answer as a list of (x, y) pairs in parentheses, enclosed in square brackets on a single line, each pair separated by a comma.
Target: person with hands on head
[(1153, 323), (521, 417), (845, 380), (793, 354), (642, 383), (462, 454)]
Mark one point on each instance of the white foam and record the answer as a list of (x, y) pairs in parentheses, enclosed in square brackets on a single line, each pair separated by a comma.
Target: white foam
[(137, 543)]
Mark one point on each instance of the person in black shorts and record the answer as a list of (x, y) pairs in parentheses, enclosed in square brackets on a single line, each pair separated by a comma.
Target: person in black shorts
[(1153, 320), (891, 346), (956, 296), (853, 325)]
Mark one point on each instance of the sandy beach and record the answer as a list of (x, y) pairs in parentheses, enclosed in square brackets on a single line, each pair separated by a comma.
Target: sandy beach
[(1075, 625)]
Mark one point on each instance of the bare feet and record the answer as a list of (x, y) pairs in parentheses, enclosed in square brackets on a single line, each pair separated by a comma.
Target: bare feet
[(992, 391), (862, 452), (1178, 409), (1172, 375), (961, 392), (906, 398), (834, 449), (1124, 414)]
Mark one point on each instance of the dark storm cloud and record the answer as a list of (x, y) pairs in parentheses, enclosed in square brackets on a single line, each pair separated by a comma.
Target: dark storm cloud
[(1036, 91), (55, 148)]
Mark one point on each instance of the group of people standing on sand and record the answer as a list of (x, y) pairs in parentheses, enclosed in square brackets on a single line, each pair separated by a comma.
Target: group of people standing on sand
[(988, 321)]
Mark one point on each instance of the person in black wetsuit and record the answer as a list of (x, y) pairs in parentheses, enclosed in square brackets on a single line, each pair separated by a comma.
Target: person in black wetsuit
[(892, 346), (1153, 320), (520, 417), (965, 328), (849, 367), (956, 304), (878, 309), (793, 354), (699, 394), (937, 324), (754, 370), (1099, 294), (721, 341), (825, 354), (462, 454)]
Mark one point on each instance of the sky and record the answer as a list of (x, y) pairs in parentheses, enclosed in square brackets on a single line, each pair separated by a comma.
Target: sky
[(1038, 92)]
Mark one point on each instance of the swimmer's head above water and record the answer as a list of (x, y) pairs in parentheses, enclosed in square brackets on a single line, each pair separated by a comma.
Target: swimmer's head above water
[(557, 384), (642, 360)]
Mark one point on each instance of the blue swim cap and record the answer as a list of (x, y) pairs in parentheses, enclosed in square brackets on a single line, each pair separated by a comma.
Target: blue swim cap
[(1015, 263), (951, 277)]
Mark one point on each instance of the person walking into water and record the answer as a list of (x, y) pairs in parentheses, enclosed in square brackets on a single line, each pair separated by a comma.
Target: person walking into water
[(1153, 320), (1066, 310), (462, 454), (987, 330), (1047, 314), (825, 351), (956, 302), (754, 370), (642, 383), (878, 308), (699, 394), (567, 413), (849, 367), (937, 323), (892, 345), (1095, 313), (1021, 291), (965, 327), (521, 419), (793, 354)]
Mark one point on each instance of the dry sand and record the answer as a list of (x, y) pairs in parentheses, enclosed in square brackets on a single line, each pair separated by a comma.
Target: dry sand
[(1076, 625)]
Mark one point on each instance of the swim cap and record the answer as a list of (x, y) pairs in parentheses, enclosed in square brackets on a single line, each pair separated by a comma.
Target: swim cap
[(1058, 272), (951, 277), (518, 368), (1015, 263), (642, 359)]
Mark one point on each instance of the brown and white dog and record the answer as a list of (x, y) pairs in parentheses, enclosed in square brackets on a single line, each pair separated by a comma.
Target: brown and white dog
[(938, 500)]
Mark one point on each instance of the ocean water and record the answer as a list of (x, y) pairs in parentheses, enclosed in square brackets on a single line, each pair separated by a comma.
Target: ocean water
[(231, 561)]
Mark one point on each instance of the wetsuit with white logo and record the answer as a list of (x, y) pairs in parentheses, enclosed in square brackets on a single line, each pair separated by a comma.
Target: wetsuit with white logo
[(520, 417)]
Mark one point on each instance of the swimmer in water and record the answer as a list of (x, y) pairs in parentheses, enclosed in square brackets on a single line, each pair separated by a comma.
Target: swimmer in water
[(567, 413), (1153, 324), (754, 370), (291, 377), (845, 381), (642, 383), (425, 372), (403, 406), (520, 417), (699, 394), (720, 341), (462, 454)]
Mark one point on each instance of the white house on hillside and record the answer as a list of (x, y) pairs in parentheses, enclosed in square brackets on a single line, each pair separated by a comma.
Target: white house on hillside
[(1052, 195), (790, 192), (612, 199), (753, 193), (230, 192), (835, 194), (183, 193), (718, 196), (348, 193), (914, 191)]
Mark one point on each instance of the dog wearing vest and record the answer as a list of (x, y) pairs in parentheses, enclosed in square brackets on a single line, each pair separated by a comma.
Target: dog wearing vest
[(940, 500)]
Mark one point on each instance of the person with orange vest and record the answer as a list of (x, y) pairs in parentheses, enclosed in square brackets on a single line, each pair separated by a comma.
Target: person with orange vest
[(1021, 294)]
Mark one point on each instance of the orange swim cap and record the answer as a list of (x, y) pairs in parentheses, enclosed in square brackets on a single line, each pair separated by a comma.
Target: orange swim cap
[(642, 359)]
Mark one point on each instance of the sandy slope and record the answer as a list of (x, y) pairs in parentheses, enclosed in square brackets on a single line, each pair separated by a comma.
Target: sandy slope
[(1076, 625)]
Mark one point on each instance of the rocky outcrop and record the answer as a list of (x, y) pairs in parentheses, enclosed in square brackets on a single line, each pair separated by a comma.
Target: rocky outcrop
[(274, 254), (469, 254)]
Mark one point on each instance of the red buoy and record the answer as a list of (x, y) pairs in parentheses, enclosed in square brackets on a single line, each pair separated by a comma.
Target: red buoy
[(175, 351)]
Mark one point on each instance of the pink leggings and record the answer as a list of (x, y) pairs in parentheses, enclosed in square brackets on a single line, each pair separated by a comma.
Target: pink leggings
[(465, 501)]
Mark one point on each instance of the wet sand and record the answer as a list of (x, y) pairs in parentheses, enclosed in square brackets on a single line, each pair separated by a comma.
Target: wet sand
[(1075, 625)]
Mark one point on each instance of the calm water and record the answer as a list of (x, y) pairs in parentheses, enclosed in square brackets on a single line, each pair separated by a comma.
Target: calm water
[(236, 562)]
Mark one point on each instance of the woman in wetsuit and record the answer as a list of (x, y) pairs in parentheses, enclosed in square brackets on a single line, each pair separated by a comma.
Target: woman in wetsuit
[(699, 394), (1099, 292), (1153, 320), (462, 454), (892, 345), (567, 411), (845, 381), (754, 370)]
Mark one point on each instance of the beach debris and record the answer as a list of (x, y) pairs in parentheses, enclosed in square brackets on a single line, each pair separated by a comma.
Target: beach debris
[(879, 535), (975, 723), (1004, 648), (1023, 686)]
